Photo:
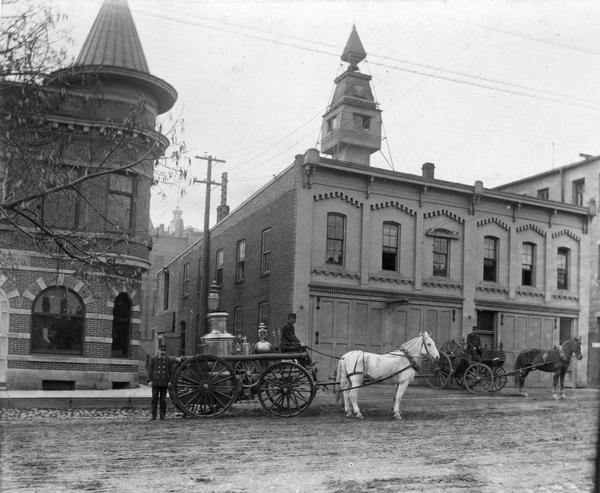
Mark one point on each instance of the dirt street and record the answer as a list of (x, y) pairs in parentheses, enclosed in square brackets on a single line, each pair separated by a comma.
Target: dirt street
[(447, 441)]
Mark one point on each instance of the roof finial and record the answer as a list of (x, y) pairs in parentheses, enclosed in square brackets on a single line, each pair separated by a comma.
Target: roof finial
[(354, 53)]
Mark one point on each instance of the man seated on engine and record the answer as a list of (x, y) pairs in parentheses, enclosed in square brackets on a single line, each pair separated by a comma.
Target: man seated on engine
[(289, 342)]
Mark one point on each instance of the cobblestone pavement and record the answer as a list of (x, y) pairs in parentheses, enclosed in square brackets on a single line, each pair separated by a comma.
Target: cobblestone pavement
[(446, 442)]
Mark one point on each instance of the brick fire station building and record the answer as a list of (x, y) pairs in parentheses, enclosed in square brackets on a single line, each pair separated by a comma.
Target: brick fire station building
[(368, 257)]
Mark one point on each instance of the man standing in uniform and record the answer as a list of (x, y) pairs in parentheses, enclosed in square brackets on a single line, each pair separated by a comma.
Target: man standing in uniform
[(159, 378)]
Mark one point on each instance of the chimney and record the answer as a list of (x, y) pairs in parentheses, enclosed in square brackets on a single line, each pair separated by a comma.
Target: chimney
[(428, 170)]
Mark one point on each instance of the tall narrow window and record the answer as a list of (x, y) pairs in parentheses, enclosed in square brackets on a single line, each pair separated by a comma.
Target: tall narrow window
[(240, 261), (528, 264), (121, 325), (389, 251), (265, 256), (120, 199), (186, 279), (57, 322), (490, 259), (219, 266), (562, 268), (263, 312), (332, 124), (336, 232), (578, 190), (238, 320), (166, 282), (440, 256)]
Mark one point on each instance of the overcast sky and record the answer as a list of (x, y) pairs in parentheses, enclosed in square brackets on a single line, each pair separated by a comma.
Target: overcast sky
[(486, 90)]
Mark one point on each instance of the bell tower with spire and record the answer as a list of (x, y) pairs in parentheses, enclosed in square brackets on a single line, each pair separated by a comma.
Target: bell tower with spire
[(351, 129)]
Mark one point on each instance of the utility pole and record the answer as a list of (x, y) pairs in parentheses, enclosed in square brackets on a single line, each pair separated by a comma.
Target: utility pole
[(206, 240)]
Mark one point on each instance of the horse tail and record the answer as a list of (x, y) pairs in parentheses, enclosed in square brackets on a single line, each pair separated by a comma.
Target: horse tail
[(342, 375)]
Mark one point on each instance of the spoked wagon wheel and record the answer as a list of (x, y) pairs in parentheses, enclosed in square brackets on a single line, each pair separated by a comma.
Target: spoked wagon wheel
[(478, 378), (500, 378), (248, 373), (286, 389), (438, 373), (450, 347), (204, 386)]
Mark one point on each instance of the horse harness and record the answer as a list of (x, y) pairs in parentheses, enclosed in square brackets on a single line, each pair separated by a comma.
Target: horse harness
[(413, 364), (561, 355)]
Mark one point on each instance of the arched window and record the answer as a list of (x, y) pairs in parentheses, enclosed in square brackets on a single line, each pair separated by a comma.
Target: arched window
[(121, 325), (57, 322)]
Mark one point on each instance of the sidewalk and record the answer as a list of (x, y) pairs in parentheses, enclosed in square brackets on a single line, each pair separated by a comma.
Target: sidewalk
[(140, 397), (75, 399)]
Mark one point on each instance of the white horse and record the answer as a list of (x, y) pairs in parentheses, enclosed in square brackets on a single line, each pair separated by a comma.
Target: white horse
[(398, 368)]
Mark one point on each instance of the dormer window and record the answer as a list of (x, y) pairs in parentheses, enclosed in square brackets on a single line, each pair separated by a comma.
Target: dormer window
[(362, 122)]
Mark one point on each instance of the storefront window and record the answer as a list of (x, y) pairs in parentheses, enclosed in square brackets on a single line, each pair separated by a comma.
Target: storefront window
[(57, 322)]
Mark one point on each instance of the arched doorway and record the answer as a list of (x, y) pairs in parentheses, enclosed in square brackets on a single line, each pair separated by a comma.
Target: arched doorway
[(121, 327), (3, 339)]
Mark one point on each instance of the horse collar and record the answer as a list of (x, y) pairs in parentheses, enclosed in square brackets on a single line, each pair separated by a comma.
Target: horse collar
[(410, 359), (561, 353)]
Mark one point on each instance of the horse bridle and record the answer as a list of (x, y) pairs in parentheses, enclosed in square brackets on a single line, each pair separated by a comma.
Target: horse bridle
[(411, 359)]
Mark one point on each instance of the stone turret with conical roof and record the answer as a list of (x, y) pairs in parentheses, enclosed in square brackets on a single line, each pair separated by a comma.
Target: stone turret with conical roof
[(351, 129), (110, 107), (112, 59)]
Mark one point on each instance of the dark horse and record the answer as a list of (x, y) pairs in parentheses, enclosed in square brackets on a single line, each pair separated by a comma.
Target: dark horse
[(555, 360)]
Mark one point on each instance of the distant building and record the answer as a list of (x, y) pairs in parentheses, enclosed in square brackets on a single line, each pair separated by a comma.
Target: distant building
[(167, 243), (579, 184), (368, 257), (65, 325)]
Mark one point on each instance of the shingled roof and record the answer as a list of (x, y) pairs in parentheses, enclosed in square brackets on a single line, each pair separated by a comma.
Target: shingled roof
[(113, 39)]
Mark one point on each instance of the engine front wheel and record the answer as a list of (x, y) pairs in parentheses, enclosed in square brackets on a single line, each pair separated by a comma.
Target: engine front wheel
[(286, 389)]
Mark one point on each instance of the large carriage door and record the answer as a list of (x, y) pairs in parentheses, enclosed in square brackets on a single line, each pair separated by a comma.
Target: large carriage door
[(329, 333)]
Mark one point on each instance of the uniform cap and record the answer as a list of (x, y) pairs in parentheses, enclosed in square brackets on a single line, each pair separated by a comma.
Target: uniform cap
[(292, 315)]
